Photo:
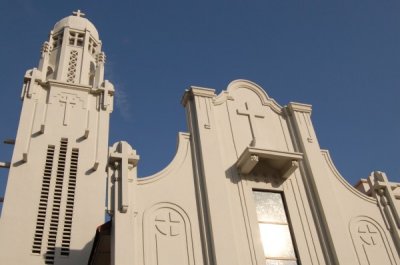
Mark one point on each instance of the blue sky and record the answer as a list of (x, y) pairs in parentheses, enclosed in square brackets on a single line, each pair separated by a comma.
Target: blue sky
[(343, 57)]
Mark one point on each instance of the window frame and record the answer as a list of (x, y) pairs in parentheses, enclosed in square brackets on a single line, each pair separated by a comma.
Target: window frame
[(288, 224), (276, 185)]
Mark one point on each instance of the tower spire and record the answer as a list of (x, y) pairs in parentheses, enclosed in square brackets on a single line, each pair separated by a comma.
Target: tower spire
[(53, 184)]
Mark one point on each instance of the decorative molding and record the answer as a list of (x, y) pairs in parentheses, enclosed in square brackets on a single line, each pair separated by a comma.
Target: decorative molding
[(197, 91), (258, 90), (42, 128), (50, 83), (207, 124), (300, 107), (46, 48), (222, 98), (101, 58), (28, 144)]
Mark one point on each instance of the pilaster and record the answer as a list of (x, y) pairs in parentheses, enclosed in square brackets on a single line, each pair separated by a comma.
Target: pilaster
[(214, 208), (327, 215), (122, 173)]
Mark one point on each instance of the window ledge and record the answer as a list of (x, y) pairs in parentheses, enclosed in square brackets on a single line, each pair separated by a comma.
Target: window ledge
[(285, 162)]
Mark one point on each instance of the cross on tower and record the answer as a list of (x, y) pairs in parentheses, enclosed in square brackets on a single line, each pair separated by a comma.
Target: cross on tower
[(78, 13), (166, 226), (123, 156), (251, 115), (68, 100)]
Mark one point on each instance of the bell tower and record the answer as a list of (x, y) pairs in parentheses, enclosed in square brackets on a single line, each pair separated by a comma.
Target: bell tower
[(55, 195)]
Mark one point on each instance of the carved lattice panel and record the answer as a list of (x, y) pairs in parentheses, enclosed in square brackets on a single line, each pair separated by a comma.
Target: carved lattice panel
[(72, 65)]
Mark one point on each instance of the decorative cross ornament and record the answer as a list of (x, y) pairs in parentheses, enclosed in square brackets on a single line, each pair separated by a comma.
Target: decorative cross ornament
[(122, 156), (68, 100), (167, 225), (78, 13), (252, 115), (368, 234)]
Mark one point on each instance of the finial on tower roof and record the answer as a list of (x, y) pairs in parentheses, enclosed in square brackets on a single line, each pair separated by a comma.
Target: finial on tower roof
[(78, 13)]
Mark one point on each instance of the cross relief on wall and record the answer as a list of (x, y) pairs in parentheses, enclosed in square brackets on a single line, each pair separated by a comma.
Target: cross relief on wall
[(368, 234), (66, 102), (69, 101), (168, 224), (252, 115)]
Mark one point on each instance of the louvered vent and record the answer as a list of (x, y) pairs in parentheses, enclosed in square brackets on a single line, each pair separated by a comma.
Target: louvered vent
[(44, 197), (55, 214), (66, 239)]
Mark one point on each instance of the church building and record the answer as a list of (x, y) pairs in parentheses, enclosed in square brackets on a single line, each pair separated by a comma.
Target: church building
[(249, 184)]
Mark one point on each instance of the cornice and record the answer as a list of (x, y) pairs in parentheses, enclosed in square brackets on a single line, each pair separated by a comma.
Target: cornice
[(299, 107), (50, 83), (193, 91)]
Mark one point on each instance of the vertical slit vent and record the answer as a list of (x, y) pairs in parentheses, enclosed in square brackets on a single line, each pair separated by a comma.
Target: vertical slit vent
[(44, 197), (55, 213), (69, 209)]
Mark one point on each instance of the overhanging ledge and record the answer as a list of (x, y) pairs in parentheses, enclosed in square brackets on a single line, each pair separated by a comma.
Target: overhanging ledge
[(285, 162)]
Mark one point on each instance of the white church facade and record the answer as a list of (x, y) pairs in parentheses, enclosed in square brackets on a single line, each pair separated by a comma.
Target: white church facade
[(249, 184)]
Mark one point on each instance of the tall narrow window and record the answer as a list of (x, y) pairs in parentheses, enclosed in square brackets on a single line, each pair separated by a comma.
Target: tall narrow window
[(44, 197), (69, 209), (57, 195), (274, 229)]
